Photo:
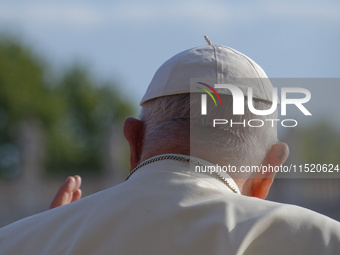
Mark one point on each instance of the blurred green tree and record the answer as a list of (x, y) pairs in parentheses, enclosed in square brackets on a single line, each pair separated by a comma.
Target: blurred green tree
[(22, 96), (89, 109), (22, 90), (75, 112)]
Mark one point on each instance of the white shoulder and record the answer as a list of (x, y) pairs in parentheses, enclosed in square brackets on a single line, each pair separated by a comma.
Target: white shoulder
[(283, 229)]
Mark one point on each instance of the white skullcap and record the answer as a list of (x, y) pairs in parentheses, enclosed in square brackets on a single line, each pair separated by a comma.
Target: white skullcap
[(220, 63)]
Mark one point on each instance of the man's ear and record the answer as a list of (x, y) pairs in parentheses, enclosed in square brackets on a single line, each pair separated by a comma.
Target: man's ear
[(134, 132), (276, 156)]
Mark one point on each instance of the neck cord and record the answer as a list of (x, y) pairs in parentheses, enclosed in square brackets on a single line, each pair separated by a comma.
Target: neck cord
[(173, 157)]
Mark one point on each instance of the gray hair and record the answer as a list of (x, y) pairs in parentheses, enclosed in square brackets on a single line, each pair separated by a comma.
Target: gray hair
[(166, 119)]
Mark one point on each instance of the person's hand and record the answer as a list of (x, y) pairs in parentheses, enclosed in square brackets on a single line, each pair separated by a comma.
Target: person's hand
[(68, 192)]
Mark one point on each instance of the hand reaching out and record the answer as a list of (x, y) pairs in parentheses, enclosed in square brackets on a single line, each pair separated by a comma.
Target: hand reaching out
[(68, 192)]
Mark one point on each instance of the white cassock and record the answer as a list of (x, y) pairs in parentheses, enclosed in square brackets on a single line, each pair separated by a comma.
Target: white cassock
[(164, 208)]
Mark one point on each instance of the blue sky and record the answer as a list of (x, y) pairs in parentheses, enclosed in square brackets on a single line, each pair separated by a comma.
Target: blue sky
[(128, 40)]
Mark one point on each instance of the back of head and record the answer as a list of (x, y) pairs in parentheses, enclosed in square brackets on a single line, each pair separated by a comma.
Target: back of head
[(171, 107)]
